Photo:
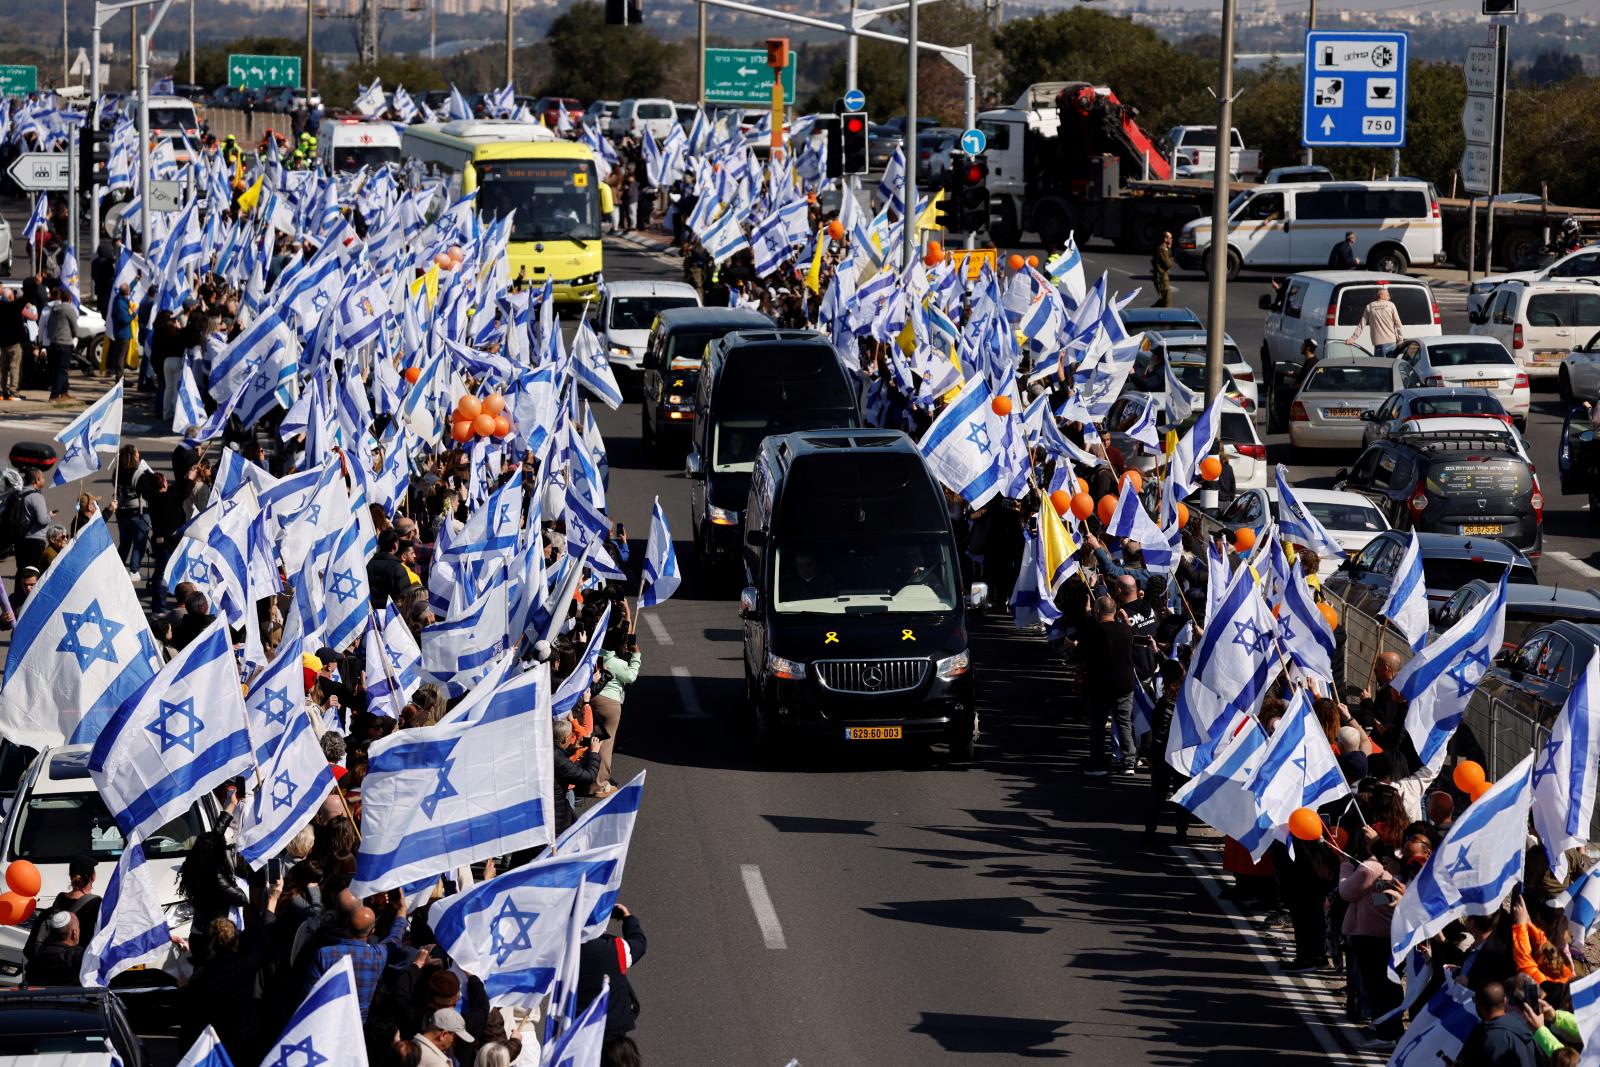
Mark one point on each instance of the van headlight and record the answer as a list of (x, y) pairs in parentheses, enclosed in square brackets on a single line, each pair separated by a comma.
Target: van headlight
[(790, 669), (621, 350), (954, 666)]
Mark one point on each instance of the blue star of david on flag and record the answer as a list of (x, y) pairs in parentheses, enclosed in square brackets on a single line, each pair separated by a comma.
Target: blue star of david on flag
[(277, 706), (1251, 636), (102, 648), (314, 514), (344, 586), (162, 724), (304, 1047), (283, 791), (1460, 865), (1464, 685), (1548, 767), (503, 946), (442, 791), (978, 434)]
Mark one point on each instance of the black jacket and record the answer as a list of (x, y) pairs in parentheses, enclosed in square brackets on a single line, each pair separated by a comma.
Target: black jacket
[(609, 956), (56, 964), (1343, 256), (569, 774), (387, 577), (1105, 649)]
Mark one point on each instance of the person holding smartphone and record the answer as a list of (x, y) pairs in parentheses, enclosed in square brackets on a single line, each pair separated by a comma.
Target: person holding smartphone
[(619, 664)]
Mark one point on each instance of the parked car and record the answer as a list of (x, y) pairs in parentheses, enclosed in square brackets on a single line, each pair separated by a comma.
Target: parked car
[(197, 93), (59, 1025), (1326, 412), (1472, 484), (1180, 346), (1196, 147), (1471, 362), (1242, 447), (630, 309), (934, 146), (1350, 518), (634, 116), (548, 109), (1326, 305), (1540, 322), (1411, 406), (1580, 263), (1448, 563), (1139, 319), (599, 113), (1528, 607), (881, 142), (1305, 173), (1580, 373)]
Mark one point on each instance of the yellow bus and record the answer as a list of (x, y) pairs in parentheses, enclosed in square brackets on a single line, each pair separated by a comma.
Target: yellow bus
[(551, 184)]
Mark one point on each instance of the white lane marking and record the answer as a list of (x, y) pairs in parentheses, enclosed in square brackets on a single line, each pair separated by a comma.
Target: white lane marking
[(686, 696), (1313, 1000), (766, 915), (658, 629), (1575, 563)]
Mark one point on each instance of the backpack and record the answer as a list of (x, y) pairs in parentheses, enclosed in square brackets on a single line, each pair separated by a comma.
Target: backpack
[(14, 520)]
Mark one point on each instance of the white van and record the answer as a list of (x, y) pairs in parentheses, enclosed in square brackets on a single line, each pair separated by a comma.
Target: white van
[(1296, 224), (350, 144), (1540, 322), (634, 115), (1326, 305)]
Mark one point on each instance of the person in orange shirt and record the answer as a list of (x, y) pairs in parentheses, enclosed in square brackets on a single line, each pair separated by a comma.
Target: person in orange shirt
[(1535, 955)]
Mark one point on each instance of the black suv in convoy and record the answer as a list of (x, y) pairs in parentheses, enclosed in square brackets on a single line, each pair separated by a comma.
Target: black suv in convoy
[(1448, 563), (670, 367)]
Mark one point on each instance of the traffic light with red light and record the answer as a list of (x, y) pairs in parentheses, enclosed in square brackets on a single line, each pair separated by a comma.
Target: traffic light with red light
[(853, 126), (966, 194), (829, 126)]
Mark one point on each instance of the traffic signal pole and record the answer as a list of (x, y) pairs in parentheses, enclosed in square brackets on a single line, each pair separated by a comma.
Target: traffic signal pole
[(103, 13), (1217, 298)]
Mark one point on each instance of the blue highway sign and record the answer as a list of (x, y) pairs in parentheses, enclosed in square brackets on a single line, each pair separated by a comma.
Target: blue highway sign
[(1355, 89)]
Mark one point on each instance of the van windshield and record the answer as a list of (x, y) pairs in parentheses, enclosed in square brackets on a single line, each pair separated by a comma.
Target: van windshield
[(638, 312), (776, 390), (54, 827)]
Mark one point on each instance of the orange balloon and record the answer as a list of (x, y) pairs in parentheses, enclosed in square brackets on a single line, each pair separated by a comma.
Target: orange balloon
[(502, 426), (1082, 505), (1135, 477), (1083, 486), (1244, 539), (1061, 500), (936, 249), (12, 906), (412, 374), (1015, 262), (444, 261), (1305, 824), (1107, 507), (932, 259), (494, 404), (483, 425), (1001, 405), (1033, 261), (836, 229), (1329, 614), (1480, 789), (23, 878), (1468, 775), (1211, 468), (461, 431), (1341, 837), (455, 253), (468, 407), (1183, 514)]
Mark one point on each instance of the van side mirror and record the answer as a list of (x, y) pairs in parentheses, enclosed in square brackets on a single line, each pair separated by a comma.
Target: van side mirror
[(978, 596), (1506, 657), (691, 464), (749, 603), (1265, 302)]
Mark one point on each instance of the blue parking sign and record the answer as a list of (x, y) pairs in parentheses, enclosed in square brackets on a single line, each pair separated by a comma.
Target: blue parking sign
[(1355, 89)]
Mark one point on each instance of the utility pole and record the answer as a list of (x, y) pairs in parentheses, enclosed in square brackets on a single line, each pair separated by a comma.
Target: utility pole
[(850, 51), (310, 48), (1311, 24), (370, 57), (433, 28), (908, 222), (66, 60), (509, 45), (133, 50), (145, 40), (1217, 305), (700, 53)]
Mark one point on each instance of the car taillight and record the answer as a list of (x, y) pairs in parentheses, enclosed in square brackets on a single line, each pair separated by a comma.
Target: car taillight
[(1418, 503), (1244, 376), (1252, 451), (1436, 319), (1537, 501), (1435, 380), (1330, 316), (1522, 381), (1297, 412), (1435, 206), (1516, 336)]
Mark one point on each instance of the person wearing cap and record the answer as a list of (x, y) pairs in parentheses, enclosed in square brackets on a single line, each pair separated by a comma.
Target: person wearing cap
[(610, 956), (438, 1037), (60, 959)]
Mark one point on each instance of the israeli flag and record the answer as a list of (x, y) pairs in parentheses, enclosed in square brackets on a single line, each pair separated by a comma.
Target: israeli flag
[(133, 926), (1130, 520), (512, 930), (370, 100), (1298, 771), (457, 792), (276, 694), (1066, 271), (593, 369), (724, 237), (98, 429), (1407, 606), (207, 1051), (1196, 444), (346, 592), (69, 275), (1296, 524), (288, 793), (1236, 652), (1438, 1031), (1219, 794), (1304, 631), (402, 104), (184, 732), (1439, 680), (604, 826), (582, 1042), (493, 528), (1143, 429), (661, 575), (961, 446), (394, 664), (38, 220), (574, 685), (1031, 603), (325, 1030), (1581, 902), (457, 652), (81, 647), (1564, 777), (1475, 868), (189, 413)]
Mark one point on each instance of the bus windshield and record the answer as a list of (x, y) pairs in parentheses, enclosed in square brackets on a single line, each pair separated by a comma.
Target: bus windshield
[(554, 199)]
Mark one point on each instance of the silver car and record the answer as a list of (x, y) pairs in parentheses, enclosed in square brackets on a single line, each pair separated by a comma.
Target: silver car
[(1326, 412)]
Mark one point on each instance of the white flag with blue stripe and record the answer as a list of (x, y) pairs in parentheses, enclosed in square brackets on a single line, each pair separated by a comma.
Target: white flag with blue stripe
[(606, 825), (1195, 445), (1474, 869), (1296, 524), (190, 409), (661, 575), (492, 529), (1407, 605), (183, 733), (207, 1051), (325, 1030), (1439, 680), (133, 927), (1133, 522), (276, 693), (457, 653), (1066, 271), (961, 447), (394, 664), (583, 1041), (1298, 771), (574, 685), (346, 592), (1236, 653), (457, 792), (81, 647), (1564, 777), (1219, 792), (1303, 630), (1581, 902), (289, 792), (1438, 1031), (98, 429), (592, 368)]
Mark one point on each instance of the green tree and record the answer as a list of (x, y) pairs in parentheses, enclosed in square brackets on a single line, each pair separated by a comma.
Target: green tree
[(1551, 66), (597, 61)]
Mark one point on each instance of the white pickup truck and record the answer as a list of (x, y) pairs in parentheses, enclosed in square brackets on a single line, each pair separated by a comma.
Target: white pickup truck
[(1196, 149)]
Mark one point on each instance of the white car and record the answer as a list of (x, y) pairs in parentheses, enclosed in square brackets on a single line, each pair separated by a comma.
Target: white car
[(1350, 518), (1182, 346), (1580, 372), (1540, 322), (1580, 263), (1464, 361), (630, 309), (57, 815), (1241, 445), (5, 246)]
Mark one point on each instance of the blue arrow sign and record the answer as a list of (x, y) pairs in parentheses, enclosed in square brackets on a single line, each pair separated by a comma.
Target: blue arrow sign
[(973, 142), (855, 100), (1355, 89)]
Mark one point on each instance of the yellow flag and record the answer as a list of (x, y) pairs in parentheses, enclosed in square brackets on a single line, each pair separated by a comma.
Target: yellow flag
[(249, 198), (907, 339), (430, 281), (814, 272), (1057, 543), (1169, 447), (925, 221)]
